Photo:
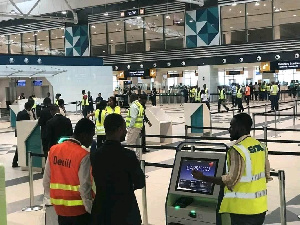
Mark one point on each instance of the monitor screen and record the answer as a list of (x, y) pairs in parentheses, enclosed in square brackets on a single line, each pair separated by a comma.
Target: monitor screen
[(185, 180), (37, 83), (21, 83)]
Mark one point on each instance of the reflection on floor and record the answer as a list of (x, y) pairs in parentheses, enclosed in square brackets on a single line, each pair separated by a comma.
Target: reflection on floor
[(17, 187)]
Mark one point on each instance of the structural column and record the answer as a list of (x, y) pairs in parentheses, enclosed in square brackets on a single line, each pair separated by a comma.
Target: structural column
[(209, 76)]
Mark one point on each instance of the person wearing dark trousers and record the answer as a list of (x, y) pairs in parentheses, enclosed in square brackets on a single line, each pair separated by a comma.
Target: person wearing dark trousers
[(274, 96), (99, 99), (84, 104), (247, 94), (222, 99), (251, 91), (44, 117), (57, 127), (256, 91), (117, 174), (143, 132), (91, 103), (153, 97), (22, 115), (233, 94), (239, 98)]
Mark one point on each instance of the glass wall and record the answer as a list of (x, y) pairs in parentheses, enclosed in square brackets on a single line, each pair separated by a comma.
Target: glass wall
[(98, 39), (15, 44), (57, 42), (154, 33), (174, 30), (28, 43), (3, 44), (135, 35), (43, 43), (116, 37)]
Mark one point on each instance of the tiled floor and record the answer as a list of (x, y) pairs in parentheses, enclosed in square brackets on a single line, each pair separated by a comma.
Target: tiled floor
[(17, 187)]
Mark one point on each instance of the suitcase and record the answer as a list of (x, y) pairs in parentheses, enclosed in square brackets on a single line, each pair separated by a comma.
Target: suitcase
[(51, 217)]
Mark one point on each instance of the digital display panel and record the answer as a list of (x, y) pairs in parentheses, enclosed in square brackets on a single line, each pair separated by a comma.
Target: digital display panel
[(185, 180), (137, 73), (37, 83), (21, 83)]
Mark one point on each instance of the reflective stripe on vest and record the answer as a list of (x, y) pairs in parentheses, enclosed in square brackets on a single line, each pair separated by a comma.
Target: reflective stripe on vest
[(110, 110), (65, 187), (66, 202), (274, 90), (139, 120), (246, 195)]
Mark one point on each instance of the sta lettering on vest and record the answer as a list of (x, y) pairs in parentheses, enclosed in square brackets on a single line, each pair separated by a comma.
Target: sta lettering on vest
[(62, 162)]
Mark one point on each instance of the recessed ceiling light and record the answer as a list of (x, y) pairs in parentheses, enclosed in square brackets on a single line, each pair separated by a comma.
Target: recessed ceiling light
[(117, 24), (240, 11), (157, 15), (294, 15), (168, 17), (234, 3), (231, 27), (41, 44), (265, 4), (64, 12), (93, 26), (257, 4), (139, 17), (95, 32), (191, 21), (181, 19), (145, 32), (103, 51), (111, 40), (28, 38), (105, 14), (15, 37), (230, 9), (47, 36), (62, 28), (62, 36)]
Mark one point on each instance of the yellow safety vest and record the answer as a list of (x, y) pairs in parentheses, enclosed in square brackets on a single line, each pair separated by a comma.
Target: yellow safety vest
[(139, 120), (192, 93), (100, 125), (56, 102), (198, 96), (275, 90), (268, 88), (239, 93), (262, 88), (84, 101), (249, 195), (222, 94), (34, 105), (110, 110)]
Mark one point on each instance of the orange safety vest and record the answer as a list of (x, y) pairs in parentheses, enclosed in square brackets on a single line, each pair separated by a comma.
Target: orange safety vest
[(247, 91), (65, 159)]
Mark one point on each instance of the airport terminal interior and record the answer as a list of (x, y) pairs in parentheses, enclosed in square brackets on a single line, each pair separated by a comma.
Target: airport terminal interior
[(199, 63)]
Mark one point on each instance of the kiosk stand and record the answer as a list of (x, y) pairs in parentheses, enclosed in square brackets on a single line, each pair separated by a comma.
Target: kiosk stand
[(161, 124), (190, 201), (29, 140), (197, 115)]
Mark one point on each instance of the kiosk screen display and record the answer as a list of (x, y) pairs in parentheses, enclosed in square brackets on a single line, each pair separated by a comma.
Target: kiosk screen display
[(185, 180)]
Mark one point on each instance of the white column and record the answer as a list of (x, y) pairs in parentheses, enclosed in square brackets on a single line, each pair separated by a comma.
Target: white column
[(209, 76)]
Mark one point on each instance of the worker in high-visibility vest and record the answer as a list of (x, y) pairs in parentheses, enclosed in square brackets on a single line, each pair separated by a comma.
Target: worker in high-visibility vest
[(222, 99), (247, 94), (198, 95), (239, 98), (67, 180), (135, 120), (274, 96), (263, 91), (99, 114), (112, 106), (192, 94), (247, 174), (57, 96), (84, 104), (205, 96)]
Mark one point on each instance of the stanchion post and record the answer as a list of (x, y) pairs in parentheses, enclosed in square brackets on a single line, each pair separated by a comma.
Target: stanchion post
[(144, 197), (253, 117), (30, 179), (266, 135), (249, 110), (275, 123), (281, 178), (294, 117), (266, 115), (185, 130)]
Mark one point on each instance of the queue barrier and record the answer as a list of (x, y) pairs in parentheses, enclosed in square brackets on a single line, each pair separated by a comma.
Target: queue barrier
[(31, 206)]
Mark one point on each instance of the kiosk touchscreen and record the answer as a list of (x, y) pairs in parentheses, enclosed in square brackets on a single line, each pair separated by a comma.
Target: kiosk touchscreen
[(190, 201)]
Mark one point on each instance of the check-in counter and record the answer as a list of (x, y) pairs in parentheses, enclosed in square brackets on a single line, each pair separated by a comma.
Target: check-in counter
[(161, 125), (29, 140)]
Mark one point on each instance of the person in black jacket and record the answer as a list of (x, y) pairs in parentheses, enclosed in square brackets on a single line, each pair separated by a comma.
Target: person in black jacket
[(22, 115), (44, 117), (57, 127), (116, 178)]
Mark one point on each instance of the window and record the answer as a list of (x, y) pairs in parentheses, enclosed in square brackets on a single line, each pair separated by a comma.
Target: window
[(116, 42), (15, 44), (259, 21), (28, 43), (174, 30), (233, 24), (154, 33), (98, 39), (42, 41), (3, 45), (286, 19), (134, 35), (57, 42)]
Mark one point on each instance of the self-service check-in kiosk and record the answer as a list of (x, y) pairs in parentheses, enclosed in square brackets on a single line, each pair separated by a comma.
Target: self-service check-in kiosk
[(190, 201)]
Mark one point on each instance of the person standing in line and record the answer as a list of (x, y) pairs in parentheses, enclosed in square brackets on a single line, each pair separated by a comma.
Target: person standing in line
[(198, 95), (245, 181), (134, 120), (44, 118), (222, 99), (268, 90), (247, 94), (62, 109), (57, 97), (116, 178), (100, 115), (57, 127), (153, 96), (233, 94), (32, 103), (251, 91), (112, 106), (22, 96), (84, 104), (274, 96), (239, 98), (99, 99), (256, 91), (91, 103), (186, 94), (67, 179), (192, 94), (22, 115), (143, 133)]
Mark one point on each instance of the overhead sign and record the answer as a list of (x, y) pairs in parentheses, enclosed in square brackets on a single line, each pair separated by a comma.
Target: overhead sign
[(234, 72), (265, 66), (121, 75), (174, 74), (152, 73), (137, 73), (132, 12), (287, 65)]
